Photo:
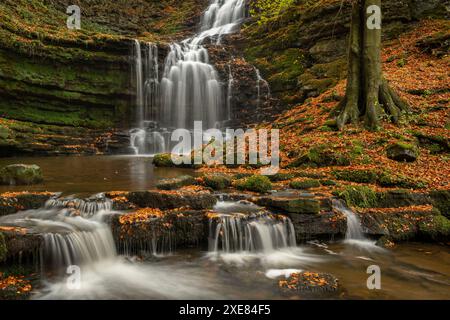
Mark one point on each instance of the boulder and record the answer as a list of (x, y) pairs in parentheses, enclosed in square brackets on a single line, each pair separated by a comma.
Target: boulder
[(164, 200), (216, 181), (402, 152), (20, 243), (155, 231), (12, 202), (21, 174), (324, 226)]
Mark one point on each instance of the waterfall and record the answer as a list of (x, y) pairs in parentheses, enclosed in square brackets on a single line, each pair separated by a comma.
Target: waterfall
[(189, 88), (86, 207), (354, 229), (260, 80), (250, 233), (229, 92)]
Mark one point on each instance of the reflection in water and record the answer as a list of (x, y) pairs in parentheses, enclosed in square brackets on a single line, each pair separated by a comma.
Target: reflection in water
[(89, 175)]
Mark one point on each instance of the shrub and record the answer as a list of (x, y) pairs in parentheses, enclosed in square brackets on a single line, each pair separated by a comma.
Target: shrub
[(255, 183)]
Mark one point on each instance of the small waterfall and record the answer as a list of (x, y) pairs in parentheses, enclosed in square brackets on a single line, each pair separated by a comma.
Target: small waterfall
[(354, 228), (229, 92), (250, 233), (144, 141), (156, 245), (80, 247), (86, 207), (139, 82), (260, 80)]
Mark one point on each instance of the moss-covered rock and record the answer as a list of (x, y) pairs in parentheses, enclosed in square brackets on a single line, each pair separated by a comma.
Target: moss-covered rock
[(359, 176), (21, 174), (441, 201), (175, 183), (321, 156), (437, 229), (165, 200), (303, 185), (256, 183), (281, 177), (3, 249), (163, 160), (298, 205), (216, 181), (359, 196), (402, 152)]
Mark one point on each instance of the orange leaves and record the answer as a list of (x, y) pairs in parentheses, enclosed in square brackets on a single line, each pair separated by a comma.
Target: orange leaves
[(141, 215), (16, 283)]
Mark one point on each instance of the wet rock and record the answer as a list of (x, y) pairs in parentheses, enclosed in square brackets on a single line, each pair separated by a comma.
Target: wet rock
[(164, 200), (158, 232), (301, 205), (13, 202), (402, 198), (402, 152), (176, 183), (216, 181), (324, 226), (21, 174), (310, 284), (441, 201), (20, 243)]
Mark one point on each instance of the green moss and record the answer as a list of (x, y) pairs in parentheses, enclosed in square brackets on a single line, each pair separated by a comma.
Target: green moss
[(216, 181), (437, 229), (303, 185), (321, 156), (255, 183), (176, 183), (326, 182), (281, 177), (3, 249), (359, 196), (163, 160)]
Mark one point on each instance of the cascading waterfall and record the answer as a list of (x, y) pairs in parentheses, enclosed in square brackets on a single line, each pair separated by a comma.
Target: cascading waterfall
[(229, 92), (260, 80), (189, 89), (250, 233), (86, 207)]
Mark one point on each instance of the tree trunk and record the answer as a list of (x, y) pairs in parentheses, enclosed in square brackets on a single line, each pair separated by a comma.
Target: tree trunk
[(368, 94)]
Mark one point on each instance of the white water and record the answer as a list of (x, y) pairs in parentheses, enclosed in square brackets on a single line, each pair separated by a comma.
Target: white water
[(354, 235), (189, 88), (260, 80)]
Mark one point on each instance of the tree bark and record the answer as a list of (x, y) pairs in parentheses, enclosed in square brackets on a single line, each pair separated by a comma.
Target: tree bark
[(368, 94)]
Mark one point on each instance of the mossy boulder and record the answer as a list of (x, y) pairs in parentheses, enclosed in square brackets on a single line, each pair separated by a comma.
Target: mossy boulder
[(441, 201), (402, 152), (163, 160), (321, 156), (281, 177), (21, 174), (437, 229), (165, 200), (175, 183), (298, 205), (216, 181), (359, 176), (256, 183), (304, 185), (359, 196)]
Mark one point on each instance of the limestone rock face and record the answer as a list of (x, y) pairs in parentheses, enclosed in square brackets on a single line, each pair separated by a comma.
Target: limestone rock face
[(21, 174)]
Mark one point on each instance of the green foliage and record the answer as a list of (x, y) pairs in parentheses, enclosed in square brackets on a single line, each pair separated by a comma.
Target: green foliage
[(255, 183), (302, 185), (359, 196), (437, 229)]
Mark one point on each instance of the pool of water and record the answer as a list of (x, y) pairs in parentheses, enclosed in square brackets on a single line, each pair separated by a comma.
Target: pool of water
[(411, 271), (94, 174)]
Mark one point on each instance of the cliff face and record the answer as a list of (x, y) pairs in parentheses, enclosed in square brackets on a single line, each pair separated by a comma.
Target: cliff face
[(52, 77), (302, 52)]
